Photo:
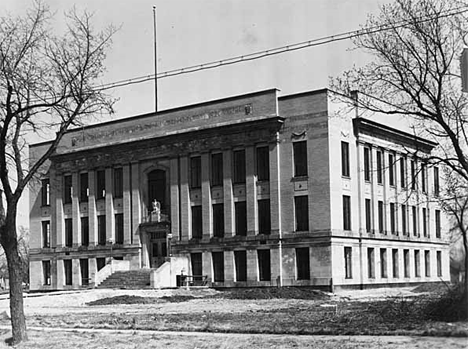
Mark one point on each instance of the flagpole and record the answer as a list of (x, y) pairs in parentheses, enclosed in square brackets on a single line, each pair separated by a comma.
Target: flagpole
[(155, 63)]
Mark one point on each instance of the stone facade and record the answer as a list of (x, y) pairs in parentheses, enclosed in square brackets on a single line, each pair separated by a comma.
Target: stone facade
[(255, 190)]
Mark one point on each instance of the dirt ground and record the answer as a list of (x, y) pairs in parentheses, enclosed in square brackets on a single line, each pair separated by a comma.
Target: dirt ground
[(211, 319)]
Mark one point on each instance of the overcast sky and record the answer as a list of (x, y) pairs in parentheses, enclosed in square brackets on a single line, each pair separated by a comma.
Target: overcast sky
[(192, 32)]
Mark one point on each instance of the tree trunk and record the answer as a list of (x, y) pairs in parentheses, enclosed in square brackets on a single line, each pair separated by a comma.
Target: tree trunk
[(18, 321)]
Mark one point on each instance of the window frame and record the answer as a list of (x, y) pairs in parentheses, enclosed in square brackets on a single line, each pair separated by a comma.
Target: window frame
[(348, 257), (262, 162), (300, 158), (216, 169), (345, 163), (301, 213)]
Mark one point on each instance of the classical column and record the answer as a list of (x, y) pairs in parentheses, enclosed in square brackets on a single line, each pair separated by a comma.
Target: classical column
[(127, 205), (92, 214), (136, 202), (174, 201), (207, 267), (56, 188), (184, 200), (251, 191), (206, 196), (76, 209), (228, 199), (110, 225), (252, 265), (275, 204), (59, 281)]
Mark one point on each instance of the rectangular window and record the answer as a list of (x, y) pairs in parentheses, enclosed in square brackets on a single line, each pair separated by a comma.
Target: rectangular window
[(84, 270), (218, 220), (345, 159), (195, 172), (240, 258), (403, 172), (239, 166), (392, 218), (197, 265), (417, 262), (263, 164), (68, 269), (383, 263), (45, 234), (84, 190), (415, 220), (406, 263), (423, 178), (368, 210), (380, 208), (303, 263), (100, 263), (101, 229), (404, 231), (68, 232), (348, 263), (45, 192), (67, 189), (118, 182), (46, 272), (424, 221), (414, 175), (119, 228), (264, 269), (437, 223), (264, 220), (100, 184), (379, 167), (218, 266), (300, 158), (346, 212), (217, 169), (427, 263), (240, 208), (301, 206), (391, 168), (395, 266), (197, 227), (367, 164), (84, 231), (370, 263), (439, 263), (436, 181)]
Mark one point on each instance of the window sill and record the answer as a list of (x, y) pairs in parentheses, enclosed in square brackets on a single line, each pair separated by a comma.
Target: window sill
[(299, 178)]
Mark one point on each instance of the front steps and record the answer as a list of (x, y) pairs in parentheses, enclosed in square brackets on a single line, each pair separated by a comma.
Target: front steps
[(129, 280)]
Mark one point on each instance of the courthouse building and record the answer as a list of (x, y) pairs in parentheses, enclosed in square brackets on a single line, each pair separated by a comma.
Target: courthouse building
[(252, 190)]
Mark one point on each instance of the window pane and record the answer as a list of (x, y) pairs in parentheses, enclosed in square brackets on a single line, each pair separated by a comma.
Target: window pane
[(217, 169), (264, 220), (345, 159), (379, 167), (218, 220), (195, 172), (118, 182), (395, 263), (241, 218), (303, 263), (368, 210), (46, 234), (119, 228), (68, 232), (100, 184), (239, 166), (263, 164), (240, 258), (367, 164), (370, 263), (383, 263), (83, 187), (67, 189), (197, 222), (391, 168), (84, 231), (346, 212), (101, 230), (348, 262), (300, 158), (218, 266), (301, 204), (264, 265), (45, 192)]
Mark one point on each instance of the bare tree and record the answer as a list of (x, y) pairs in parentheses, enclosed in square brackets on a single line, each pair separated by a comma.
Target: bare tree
[(415, 72), (46, 84)]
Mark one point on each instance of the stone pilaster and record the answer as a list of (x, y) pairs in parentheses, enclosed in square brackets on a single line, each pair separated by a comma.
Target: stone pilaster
[(185, 228), (251, 191), (92, 214), (127, 205), (228, 199), (110, 220), (207, 218), (76, 209), (174, 202)]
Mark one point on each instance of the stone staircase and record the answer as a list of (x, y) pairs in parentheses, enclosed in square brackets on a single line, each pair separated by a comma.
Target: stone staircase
[(129, 280)]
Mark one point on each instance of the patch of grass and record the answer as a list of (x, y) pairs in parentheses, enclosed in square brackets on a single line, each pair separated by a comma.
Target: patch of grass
[(273, 292), (125, 299), (451, 306)]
